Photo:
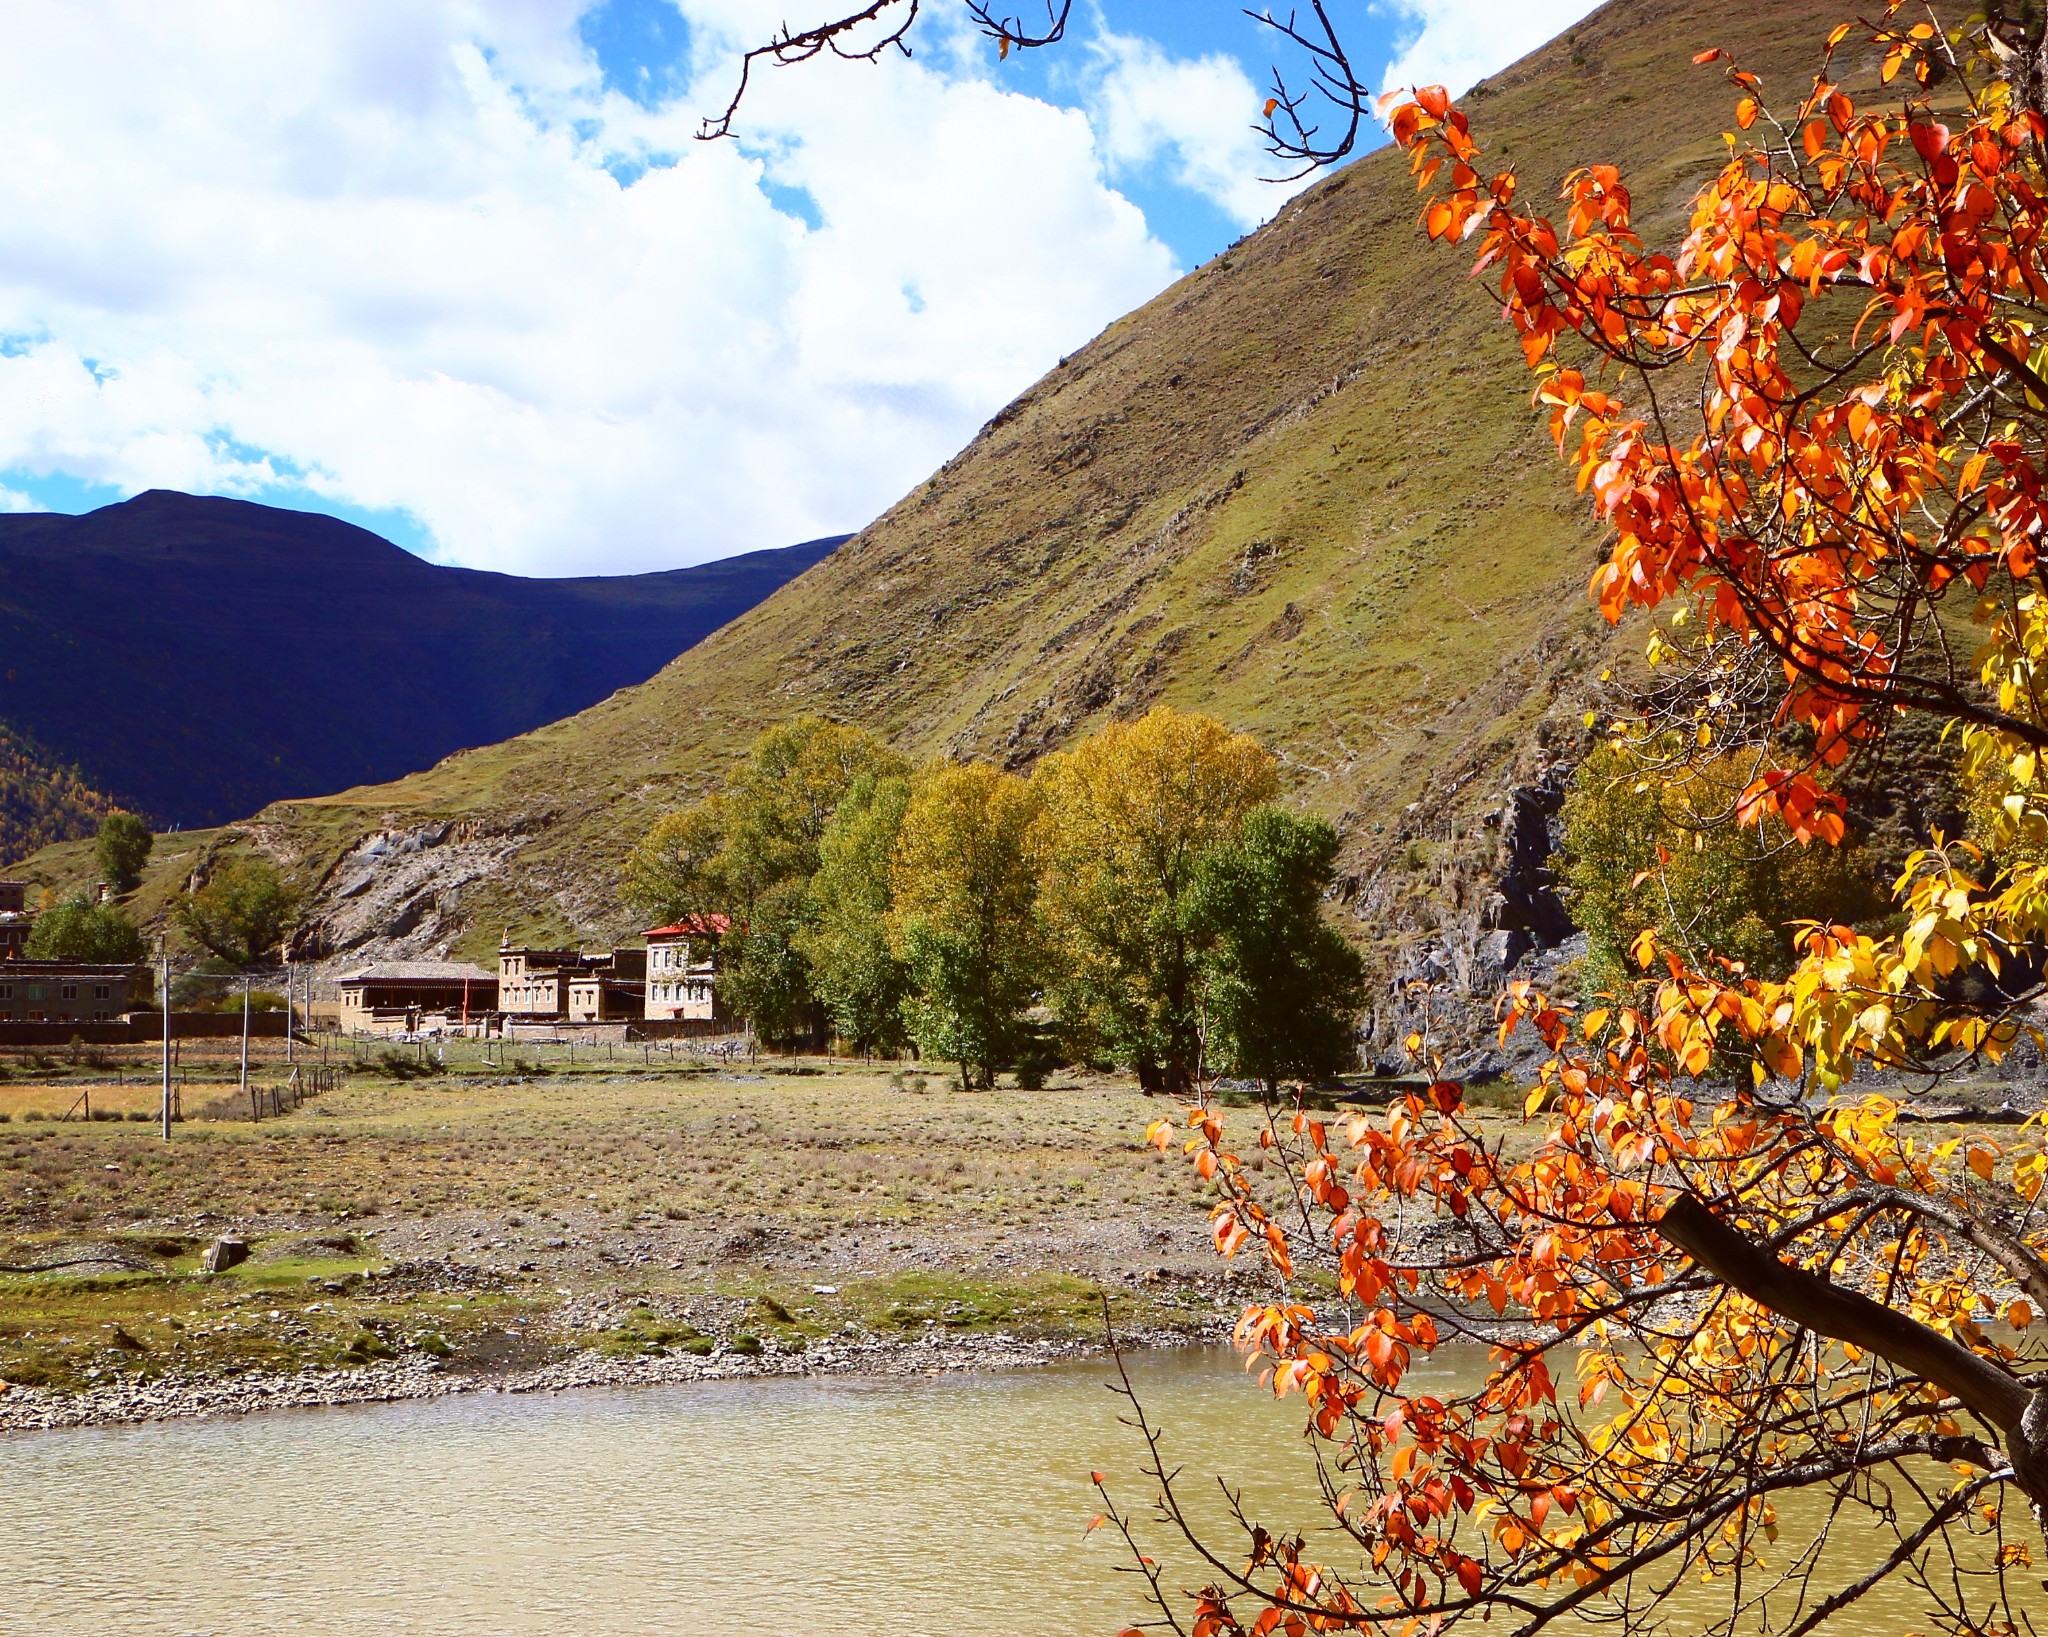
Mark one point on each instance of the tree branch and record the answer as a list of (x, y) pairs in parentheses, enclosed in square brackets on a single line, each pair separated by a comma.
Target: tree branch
[(1846, 1315)]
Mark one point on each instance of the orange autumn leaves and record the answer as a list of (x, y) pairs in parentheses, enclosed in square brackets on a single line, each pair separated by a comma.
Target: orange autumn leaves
[(1818, 417)]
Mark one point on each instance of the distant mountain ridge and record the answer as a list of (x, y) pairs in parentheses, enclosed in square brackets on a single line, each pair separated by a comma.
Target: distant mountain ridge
[(196, 658)]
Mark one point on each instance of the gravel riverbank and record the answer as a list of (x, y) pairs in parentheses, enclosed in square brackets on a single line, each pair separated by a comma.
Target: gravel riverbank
[(30, 1409)]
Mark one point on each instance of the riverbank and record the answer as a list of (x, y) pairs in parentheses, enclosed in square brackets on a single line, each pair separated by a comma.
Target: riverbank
[(167, 1399), (468, 1230)]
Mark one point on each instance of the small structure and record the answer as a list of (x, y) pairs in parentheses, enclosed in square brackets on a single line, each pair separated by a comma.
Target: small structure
[(69, 991), (404, 997), (682, 966)]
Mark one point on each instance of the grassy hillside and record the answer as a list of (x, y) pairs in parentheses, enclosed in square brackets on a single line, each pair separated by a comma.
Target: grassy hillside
[(1301, 489)]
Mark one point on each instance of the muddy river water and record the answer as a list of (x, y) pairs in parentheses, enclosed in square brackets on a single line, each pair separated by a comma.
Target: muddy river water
[(897, 1507)]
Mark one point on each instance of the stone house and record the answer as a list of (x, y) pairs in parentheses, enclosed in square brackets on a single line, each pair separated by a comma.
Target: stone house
[(682, 966), (571, 986)]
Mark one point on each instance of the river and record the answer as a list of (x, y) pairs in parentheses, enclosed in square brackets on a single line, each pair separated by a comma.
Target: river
[(890, 1507)]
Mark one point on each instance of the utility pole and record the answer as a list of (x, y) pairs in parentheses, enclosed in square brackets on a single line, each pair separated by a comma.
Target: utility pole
[(291, 1023), (164, 951), (245, 1040)]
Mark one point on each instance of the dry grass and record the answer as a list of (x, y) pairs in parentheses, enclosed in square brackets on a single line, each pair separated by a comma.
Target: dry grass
[(914, 1203)]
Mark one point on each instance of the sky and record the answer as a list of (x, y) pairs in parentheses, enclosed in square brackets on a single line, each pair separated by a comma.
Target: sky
[(456, 269)]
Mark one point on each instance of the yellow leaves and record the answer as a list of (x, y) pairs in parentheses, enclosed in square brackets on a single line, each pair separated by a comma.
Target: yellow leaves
[(1644, 947)]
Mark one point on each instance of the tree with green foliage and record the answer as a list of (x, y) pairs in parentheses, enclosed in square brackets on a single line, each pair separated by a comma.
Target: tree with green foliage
[(965, 916), (748, 852), (1283, 987), (242, 911), (1649, 842), (79, 929), (1130, 813), (121, 850), (860, 978)]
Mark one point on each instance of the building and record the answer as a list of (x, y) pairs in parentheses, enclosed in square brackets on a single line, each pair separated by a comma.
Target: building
[(15, 920), (568, 985), (682, 966), (70, 991), (404, 997), (604, 988)]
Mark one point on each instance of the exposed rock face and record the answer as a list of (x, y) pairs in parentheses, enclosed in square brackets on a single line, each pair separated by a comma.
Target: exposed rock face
[(397, 894), (1512, 925)]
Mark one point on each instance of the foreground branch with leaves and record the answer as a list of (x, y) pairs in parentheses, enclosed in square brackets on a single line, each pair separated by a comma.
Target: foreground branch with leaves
[(1753, 1352)]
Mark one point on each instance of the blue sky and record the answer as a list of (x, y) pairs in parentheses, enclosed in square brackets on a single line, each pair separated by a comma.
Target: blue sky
[(456, 270)]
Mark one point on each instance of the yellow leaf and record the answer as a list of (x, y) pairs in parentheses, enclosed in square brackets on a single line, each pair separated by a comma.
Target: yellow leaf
[(1271, 104), (1534, 1100), (1983, 1161), (2019, 1315)]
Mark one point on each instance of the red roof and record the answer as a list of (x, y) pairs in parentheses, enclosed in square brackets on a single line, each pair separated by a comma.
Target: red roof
[(697, 926)]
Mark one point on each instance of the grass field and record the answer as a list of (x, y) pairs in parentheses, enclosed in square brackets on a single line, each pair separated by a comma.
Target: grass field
[(490, 1216)]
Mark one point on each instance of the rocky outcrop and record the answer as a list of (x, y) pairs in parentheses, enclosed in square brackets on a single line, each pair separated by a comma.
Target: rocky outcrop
[(398, 893)]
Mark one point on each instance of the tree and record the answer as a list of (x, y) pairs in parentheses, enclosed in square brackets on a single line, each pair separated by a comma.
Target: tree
[(1130, 814), (859, 977), (1649, 842), (965, 921), (79, 929), (122, 849), (242, 911), (1820, 445), (748, 852), (1283, 987)]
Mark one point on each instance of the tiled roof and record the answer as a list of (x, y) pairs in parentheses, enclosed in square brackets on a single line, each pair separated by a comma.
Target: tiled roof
[(692, 925), (419, 972)]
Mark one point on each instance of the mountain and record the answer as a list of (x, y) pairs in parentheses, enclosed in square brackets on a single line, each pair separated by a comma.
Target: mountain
[(197, 658), (1303, 489), (41, 800)]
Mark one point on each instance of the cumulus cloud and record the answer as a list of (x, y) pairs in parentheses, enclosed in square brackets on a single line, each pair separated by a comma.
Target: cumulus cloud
[(1456, 43), (411, 255), (1194, 116)]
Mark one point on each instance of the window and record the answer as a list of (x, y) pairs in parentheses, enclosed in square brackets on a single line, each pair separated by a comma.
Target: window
[(70, 991), (6, 991), (102, 991)]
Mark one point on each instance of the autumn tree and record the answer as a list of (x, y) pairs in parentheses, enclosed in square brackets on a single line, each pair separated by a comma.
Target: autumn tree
[(1282, 988), (965, 919), (856, 971), (241, 912), (79, 929), (1130, 813), (121, 849), (1650, 843), (748, 852), (1750, 1339)]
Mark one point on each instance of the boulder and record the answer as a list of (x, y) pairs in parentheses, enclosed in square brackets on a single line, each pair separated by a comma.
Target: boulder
[(223, 1254)]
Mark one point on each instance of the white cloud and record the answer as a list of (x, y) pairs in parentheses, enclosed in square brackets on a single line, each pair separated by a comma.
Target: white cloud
[(372, 246), (1195, 115), (1456, 43)]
